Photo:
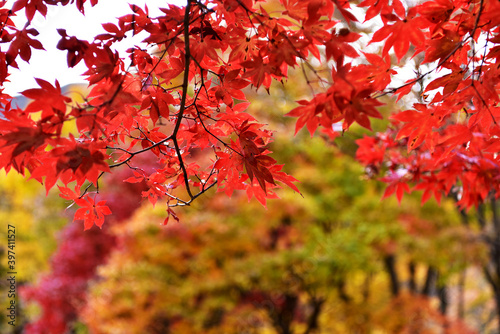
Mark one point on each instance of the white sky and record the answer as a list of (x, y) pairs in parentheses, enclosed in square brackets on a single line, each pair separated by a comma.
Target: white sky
[(51, 64)]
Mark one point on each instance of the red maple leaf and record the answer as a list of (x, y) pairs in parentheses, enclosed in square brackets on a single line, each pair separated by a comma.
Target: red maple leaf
[(21, 45), (418, 125), (31, 7), (400, 34), (90, 212)]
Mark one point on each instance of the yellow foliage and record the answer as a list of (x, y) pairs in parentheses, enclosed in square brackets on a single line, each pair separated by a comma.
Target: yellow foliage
[(36, 219)]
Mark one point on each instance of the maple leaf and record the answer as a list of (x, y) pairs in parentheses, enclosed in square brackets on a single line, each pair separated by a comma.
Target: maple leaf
[(229, 169), (380, 71), (254, 158), (158, 103), (283, 177), (376, 7), (441, 45), (489, 15), (456, 135), (260, 194), (397, 185), (21, 45), (430, 186), (81, 8), (286, 50), (256, 167), (69, 194), (449, 82), (24, 139), (138, 177), (371, 151), (343, 6), (206, 47), (315, 29), (419, 125), (357, 107), (31, 7), (404, 89), (116, 34), (310, 113), (85, 161), (101, 63), (242, 47), (260, 73), (170, 212), (46, 98), (156, 187), (400, 34), (337, 46), (76, 48), (437, 11), (230, 87), (90, 212)]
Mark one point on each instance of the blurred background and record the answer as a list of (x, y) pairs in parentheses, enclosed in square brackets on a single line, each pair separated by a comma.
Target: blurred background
[(337, 260)]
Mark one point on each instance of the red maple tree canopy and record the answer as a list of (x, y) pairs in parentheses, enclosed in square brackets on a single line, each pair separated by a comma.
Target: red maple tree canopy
[(185, 94)]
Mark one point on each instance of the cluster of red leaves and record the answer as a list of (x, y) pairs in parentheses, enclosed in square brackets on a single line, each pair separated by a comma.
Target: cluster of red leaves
[(446, 144), (187, 97), (130, 112)]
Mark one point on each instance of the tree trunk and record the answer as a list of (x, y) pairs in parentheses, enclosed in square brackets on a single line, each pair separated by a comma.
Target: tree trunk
[(429, 281), (461, 295), (412, 283), (312, 322), (390, 266), (282, 315), (342, 293), (443, 299)]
